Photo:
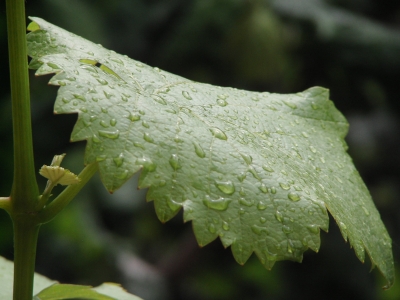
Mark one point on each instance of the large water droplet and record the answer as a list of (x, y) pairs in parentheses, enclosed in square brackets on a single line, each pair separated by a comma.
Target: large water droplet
[(247, 158), (159, 99), (199, 150), (273, 190), (95, 139), (261, 206), (146, 163), (294, 196), (222, 103), (104, 124), (290, 104), (134, 117), (148, 138), (174, 162), (284, 186), (109, 134), (279, 216), (113, 122), (102, 81), (119, 160), (246, 202), (263, 188), (313, 228), (173, 205), (186, 95), (227, 187), (286, 229), (267, 168), (225, 226), (211, 228), (145, 124), (218, 133), (258, 229), (219, 204), (254, 173)]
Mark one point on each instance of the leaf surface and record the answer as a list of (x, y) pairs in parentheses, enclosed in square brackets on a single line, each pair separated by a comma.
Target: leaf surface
[(258, 170), (47, 289)]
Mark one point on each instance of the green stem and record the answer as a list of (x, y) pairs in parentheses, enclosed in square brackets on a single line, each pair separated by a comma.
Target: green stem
[(58, 204), (26, 229), (25, 191)]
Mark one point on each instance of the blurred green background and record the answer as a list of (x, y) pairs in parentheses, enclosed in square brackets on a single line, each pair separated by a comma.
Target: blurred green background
[(285, 46)]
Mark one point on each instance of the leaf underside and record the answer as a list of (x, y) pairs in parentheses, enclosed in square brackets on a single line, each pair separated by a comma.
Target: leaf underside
[(258, 170)]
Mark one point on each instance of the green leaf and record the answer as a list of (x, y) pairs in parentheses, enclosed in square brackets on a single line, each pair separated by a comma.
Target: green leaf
[(258, 170), (7, 276), (47, 289)]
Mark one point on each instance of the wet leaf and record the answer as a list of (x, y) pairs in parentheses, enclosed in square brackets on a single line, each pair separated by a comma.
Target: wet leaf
[(258, 170)]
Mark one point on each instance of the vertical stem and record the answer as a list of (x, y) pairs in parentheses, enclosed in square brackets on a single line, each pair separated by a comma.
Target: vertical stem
[(24, 191), (26, 231)]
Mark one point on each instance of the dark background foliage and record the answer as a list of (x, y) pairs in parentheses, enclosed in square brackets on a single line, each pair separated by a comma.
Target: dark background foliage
[(350, 46)]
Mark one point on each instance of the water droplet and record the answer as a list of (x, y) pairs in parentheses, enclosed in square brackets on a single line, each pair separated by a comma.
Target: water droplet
[(279, 216), (267, 168), (134, 117), (294, 196), (284, 186), (313, 150), (255, 98), (263, 188), (142, 112), (162, 183), (222, 96), (263, 220), (95, 139), (258, 229), (148, 138), (286, 229), (218, 133), (227, 187), (104, 110), (174, 162), (342, 225), (313, 229), (304, 134), (366, 211), (247, 158), (113, 122), (109, 134), (145, 124), (173, 205), (102, 81), (100, 158), (290, 104), (79, 97), (199, 150), (139, 145), (146, 163), (242, 210), (254, 172), (314, 106), (104, 124), (219, 204), (225, 226), (159, 99), (261, 206), (222, 103), (119, 160), (245, 202), (211, 228), (322, 159), (186, 95)]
